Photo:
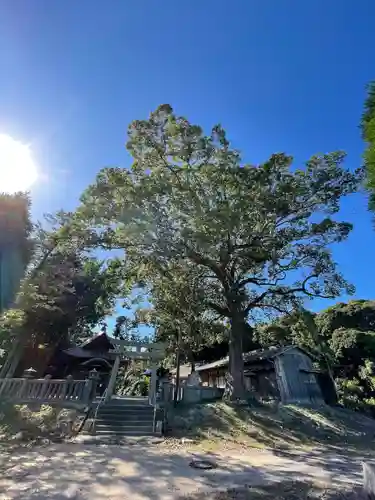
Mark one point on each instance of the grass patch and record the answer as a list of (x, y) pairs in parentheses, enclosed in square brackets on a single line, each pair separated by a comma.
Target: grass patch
[(226, 425), (288, 490), (32, 423)]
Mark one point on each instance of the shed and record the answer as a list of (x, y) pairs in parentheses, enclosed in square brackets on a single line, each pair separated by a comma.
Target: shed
[(276, 373)]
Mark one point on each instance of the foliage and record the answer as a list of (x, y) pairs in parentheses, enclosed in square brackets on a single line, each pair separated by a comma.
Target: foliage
[(30, 422), (220, 348), (16, 244), (126, 329), (131, 381), (15, 223), (64, 295), (179, 313), (358, 314), (358, 393), (37, 424), (67, 298), (368, 135), (10, 323), (351, 347), (249, 229)]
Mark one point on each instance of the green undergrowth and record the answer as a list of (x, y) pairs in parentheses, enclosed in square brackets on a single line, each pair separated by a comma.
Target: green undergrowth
[(36, 423), (264, 426), (22, 418)]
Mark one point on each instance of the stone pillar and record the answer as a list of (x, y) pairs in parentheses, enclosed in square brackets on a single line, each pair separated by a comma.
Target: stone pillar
[(45, 386), (27, 375), (87, 391), (90, 387), (112, 379), (69, 386), (94, 377)]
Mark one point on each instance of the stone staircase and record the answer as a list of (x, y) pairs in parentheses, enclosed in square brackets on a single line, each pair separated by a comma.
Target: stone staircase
[(125, 417)]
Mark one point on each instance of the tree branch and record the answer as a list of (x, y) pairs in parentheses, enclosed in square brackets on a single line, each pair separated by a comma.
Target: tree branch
[(271, 306), (205, 261), (256, 301), (260, 281), (223, 311), (284, 293)]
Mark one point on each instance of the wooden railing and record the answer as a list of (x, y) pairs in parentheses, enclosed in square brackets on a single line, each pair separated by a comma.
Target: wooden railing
[(46, 390)]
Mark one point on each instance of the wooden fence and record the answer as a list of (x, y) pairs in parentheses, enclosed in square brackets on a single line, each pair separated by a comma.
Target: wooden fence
[(47, 390)]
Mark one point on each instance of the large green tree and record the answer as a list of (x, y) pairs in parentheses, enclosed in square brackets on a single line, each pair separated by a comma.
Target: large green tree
[(368, 135), (357, 314), (15, 244), (64, 295), (261, 234)]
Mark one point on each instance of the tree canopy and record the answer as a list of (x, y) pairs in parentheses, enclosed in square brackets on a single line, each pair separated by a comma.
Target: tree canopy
[(260, 234), (179, 312), (368, 135), (16, 244), (64, 295)]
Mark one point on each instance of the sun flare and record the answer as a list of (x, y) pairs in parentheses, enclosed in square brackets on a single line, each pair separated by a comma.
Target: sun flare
[(18, 171)]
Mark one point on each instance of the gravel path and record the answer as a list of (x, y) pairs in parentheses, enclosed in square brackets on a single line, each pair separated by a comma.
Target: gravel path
[(138, 472)]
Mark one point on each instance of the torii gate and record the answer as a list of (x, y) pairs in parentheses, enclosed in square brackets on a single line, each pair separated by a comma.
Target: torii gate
[(154, 352)]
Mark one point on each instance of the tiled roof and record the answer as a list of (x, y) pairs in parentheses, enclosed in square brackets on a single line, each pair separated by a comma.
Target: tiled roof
[(78, 352), (248, 357)]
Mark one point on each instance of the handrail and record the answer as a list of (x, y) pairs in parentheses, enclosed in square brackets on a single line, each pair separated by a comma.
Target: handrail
[(154, 419), (102, 399)]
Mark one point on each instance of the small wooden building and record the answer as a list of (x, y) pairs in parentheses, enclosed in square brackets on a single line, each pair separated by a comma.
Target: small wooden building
[(76, 361), (284, 373)]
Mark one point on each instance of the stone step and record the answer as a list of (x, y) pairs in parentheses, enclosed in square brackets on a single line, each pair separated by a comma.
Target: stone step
[(117, 422), (124, 418), (129, 398), (124, 414), (127, 402), (110, 433), (121, 427), (141, 409), (125, 405)]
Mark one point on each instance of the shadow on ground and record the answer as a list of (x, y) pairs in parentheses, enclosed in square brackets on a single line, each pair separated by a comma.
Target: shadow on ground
[(288, 490), (145, 472)]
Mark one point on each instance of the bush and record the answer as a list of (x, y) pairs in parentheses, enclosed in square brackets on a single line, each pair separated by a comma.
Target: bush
[(34, 422), (132, 382)]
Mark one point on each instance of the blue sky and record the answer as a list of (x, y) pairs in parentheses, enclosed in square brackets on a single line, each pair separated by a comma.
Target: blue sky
[(280, 76)]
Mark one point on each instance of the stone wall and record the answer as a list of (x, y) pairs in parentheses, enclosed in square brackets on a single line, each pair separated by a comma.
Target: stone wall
[(199, 394)]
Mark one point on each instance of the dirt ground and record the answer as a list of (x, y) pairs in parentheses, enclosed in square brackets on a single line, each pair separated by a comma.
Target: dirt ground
[(148, 471)]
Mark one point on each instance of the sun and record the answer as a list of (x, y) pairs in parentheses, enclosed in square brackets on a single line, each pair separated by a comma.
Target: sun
[(18, 171)]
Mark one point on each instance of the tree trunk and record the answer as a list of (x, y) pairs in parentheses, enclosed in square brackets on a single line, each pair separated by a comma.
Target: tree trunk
[(12, 359), (236, 366), (191, 360), (177, 387), (178, 363), (16, 360)]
